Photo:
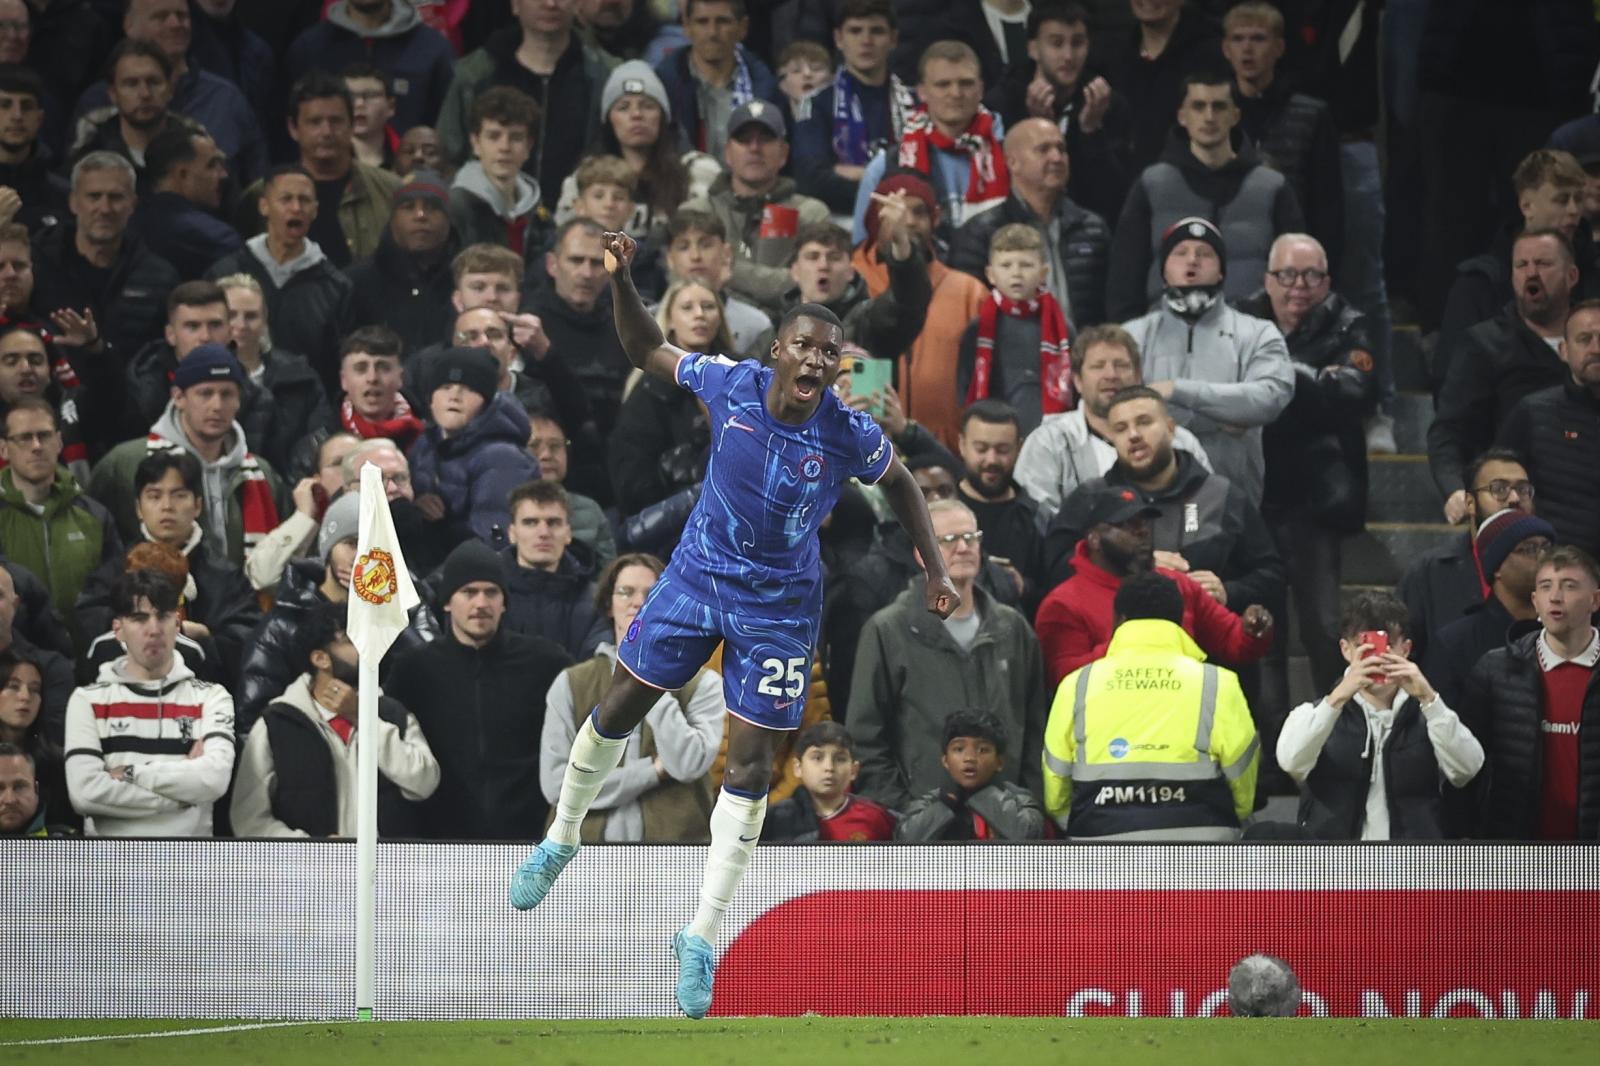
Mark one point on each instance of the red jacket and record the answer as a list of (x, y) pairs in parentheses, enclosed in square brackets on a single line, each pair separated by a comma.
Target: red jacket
[(1074, 621)]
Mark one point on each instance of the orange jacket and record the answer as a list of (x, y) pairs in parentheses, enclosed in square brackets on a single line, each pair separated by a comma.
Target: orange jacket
[(927, 377)]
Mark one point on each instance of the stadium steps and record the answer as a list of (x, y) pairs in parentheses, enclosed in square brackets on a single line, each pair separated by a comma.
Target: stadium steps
[(1404, 508)]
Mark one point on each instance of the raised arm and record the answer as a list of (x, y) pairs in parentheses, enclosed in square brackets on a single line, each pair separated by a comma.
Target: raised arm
[(641, 338), (912, 510)]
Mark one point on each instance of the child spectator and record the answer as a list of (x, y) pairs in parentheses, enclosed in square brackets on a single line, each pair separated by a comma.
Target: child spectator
[(823, 807), (492, 200), (1017, 349), (803, 68), (607, 193), (971, 805)]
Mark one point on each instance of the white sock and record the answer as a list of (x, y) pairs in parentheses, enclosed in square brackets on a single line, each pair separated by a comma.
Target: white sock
[(735, 828), (591, 762)]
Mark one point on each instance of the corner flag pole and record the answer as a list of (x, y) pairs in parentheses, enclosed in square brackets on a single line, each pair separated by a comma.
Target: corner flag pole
[(381, 595)]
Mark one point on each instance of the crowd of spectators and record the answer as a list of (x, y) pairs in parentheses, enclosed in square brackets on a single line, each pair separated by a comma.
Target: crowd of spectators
[(1117, 278)]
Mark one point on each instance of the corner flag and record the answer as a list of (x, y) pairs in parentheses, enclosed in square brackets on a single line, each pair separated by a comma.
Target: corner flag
[(381, 591), (381, 596)]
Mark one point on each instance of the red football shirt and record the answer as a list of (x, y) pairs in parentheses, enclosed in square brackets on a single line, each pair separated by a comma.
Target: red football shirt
[(1565, 683), (859, 819)]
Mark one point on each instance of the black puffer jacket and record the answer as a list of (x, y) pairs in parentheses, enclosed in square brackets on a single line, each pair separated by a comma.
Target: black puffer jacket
[(1316, 451), (557, 606), (1557, 433), (1501, 361), (406, 293), (130, 310), (1504, 708), (1085, 246), (274, 657), (1294, 133)]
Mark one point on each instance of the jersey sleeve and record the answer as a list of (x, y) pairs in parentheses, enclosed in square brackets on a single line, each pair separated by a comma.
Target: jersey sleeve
[(707, 376), (871, 448)]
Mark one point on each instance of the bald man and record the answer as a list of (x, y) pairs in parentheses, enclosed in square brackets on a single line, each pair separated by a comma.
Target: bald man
[(1079, 241)]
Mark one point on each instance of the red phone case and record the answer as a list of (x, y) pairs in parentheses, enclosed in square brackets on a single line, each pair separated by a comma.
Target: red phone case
[(1380, 646)]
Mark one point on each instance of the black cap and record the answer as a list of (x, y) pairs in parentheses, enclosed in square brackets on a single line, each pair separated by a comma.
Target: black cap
[(762, 112), (1096, 503)]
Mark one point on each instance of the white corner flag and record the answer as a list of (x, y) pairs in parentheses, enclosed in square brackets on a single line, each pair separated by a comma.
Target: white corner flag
[(381, 597)]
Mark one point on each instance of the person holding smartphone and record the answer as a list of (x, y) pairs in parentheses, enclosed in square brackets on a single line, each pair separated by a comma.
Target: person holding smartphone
[(1371, 757)]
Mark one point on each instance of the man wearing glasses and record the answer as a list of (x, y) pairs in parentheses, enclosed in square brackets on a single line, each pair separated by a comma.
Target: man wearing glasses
[(47, 524), (911, 671), (1441, 584), (1316, 478)]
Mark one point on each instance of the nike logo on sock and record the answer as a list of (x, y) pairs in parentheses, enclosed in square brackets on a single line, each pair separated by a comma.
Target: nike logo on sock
[(746, 840)]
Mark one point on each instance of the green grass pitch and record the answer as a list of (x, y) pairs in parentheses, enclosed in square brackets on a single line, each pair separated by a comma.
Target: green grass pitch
[(816, 1041)]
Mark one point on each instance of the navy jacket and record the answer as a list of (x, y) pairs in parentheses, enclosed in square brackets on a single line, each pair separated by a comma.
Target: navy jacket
[(680, 83), (475, 470), (184, 234), (417, 60)]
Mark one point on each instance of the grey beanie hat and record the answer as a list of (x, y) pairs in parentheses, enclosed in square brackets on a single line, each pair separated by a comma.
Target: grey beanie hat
[(634, 76), (341, 521)]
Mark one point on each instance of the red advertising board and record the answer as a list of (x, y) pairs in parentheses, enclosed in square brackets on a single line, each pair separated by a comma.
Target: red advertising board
[(1154, 952)]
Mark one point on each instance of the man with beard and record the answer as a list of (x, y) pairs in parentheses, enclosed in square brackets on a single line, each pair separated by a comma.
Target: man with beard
[(31, 192), (1072, 447), (1224, 374), (1075, 621), (406, 283), (1557, 432), (1502, 360), (1203, 527), (990, 436), (140, 90), (1054, 82), (297, 767)]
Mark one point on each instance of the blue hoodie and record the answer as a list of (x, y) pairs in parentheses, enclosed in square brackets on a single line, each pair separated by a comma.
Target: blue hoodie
[(475, 470)]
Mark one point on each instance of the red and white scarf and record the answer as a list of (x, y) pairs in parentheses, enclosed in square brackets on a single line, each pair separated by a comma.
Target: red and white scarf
[(1055, 349), (258, 512), (987, 178), (402, 427)]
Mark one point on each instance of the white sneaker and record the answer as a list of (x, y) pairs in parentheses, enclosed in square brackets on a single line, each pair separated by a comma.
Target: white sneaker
[(1380, 435)]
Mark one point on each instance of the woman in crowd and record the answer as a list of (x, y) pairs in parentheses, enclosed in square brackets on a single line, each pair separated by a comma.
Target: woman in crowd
[(21, 696), (658, 448), (659, 793), (638, 127)]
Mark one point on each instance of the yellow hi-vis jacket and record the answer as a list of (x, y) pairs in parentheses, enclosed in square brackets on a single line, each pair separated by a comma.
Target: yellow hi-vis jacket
[(1151, 742)]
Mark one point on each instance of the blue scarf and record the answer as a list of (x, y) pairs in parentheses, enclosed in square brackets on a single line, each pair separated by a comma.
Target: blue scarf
[(850, 144)]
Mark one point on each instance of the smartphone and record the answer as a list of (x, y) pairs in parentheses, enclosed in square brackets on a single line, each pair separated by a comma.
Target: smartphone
[(870, 376), (1379, 642)]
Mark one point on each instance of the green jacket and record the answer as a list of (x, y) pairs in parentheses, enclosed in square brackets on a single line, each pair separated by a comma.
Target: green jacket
[(61, 547), (909, 676), (363, 210)]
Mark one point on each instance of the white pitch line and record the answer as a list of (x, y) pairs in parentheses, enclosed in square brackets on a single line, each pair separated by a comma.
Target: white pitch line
[(104, 1037)]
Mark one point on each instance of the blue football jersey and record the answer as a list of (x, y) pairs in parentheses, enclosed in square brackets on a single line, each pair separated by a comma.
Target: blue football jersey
[(751, 543)]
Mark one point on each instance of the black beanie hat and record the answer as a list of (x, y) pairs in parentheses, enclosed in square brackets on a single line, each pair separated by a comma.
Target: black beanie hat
[(472, 560), (475, 368), (1193, 228)]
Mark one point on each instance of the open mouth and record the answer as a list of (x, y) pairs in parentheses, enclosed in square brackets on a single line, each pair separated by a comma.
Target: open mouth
[(807, 385)]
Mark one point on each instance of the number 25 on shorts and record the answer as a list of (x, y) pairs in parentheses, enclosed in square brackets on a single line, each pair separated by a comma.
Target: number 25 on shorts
[(792, 671)]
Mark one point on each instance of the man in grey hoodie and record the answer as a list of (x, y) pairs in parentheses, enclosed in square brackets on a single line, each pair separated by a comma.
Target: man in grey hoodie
[(242, 493), (307, 297), (1224, 374), (390, 35)]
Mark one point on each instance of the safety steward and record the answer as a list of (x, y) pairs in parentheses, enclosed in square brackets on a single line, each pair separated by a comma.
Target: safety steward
[(1152, 742)]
